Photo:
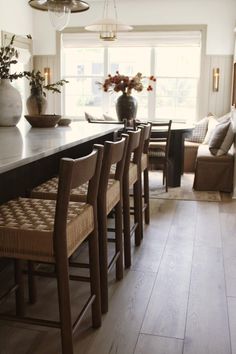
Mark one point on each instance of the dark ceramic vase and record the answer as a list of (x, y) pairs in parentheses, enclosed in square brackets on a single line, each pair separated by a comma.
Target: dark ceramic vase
[(126, 107), (36, 103)]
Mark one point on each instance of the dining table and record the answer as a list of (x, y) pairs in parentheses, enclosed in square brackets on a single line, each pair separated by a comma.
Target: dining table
[(179, 131)]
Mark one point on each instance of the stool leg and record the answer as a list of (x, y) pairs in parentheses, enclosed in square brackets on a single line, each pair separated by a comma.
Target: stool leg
[(20, 306), (138, 212), (119, 246), (31, 283), (166, 174), (126, 218), (103, 261), (64, 304), (146, 196), (95, 279)]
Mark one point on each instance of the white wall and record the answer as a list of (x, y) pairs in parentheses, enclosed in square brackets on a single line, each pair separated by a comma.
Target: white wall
[(219, 15), (16, 17)]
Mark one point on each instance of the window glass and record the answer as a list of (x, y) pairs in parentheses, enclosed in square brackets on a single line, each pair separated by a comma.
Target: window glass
[(83, 61), (178, 61), (178, 71), (176, 67), (83, 95), (129, 61)]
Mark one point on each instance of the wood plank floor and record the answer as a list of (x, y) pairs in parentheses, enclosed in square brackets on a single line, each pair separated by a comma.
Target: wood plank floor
[(179, 297)]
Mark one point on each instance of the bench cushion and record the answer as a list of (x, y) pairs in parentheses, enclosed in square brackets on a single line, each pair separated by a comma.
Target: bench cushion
[(190, 155), (213, 173), (204, 154)]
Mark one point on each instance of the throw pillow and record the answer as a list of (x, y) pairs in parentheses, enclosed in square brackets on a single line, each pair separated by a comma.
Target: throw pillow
[(221, 139), (211, 126), (91, 118), (199, 131), (224, 118), (108, 118)]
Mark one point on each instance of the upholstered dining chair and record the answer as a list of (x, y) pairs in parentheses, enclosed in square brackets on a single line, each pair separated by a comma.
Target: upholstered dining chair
[(109, 198), (50, 231), (158, 151)]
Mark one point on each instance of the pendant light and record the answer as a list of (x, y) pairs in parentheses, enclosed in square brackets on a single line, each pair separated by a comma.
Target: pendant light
[(108, 26), (59, 10)]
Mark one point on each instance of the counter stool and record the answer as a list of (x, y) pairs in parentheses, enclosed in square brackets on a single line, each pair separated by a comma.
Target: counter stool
[(109, 197), (50, 231), (131, 180), (144, 172)]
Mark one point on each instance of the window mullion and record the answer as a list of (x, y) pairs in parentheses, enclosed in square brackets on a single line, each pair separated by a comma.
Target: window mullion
[(105, 106), (152, 95)]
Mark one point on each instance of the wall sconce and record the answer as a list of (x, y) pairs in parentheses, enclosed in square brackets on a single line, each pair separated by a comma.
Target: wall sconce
[(216, 79), (46, 73)]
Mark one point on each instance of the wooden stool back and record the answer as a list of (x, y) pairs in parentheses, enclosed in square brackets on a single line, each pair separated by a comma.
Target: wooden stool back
[(57, 229)]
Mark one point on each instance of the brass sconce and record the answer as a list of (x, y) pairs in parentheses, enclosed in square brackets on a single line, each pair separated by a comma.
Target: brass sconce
[(216, 79), (47, 76)]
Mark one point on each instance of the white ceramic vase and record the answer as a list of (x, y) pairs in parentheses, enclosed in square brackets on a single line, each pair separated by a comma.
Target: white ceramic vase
[(10, 104)]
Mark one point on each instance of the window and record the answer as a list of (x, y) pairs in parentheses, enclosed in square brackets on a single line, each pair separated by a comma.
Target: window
[(82, 68), (178, 74), (173, 57)]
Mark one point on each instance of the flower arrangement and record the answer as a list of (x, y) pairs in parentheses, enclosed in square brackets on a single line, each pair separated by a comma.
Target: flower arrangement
[(36, 81), (126, 84), (8, 57)]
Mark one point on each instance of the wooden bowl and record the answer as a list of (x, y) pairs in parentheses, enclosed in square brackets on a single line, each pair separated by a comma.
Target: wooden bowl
[(64, 122), (43, 120)]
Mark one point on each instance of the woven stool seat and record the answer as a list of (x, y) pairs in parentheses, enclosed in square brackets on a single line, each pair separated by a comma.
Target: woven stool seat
[(133, 173), (144, 161), (26, 228), (51, 230), (48, 190), (156, 153), (112, 193)]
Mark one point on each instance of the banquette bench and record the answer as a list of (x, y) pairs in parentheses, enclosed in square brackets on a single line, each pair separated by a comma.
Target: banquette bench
[(209, 153)]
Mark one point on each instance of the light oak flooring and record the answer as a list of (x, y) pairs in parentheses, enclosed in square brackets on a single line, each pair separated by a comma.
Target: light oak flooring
[(179, 297)]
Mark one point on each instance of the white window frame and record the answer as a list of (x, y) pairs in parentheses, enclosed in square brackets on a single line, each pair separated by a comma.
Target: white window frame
[(128, 38)]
